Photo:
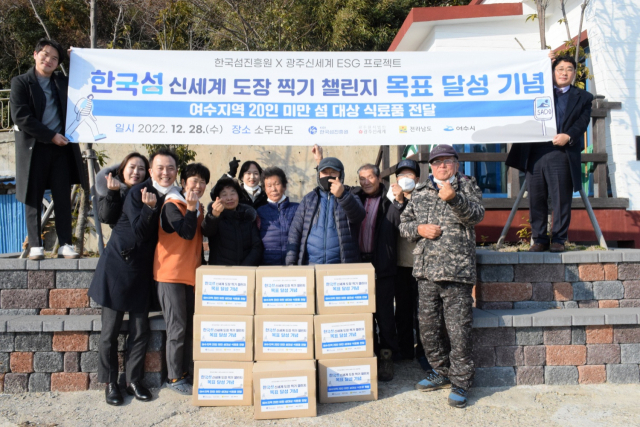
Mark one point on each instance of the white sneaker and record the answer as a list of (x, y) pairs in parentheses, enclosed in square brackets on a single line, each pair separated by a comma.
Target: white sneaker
[(36, 253), (67, 251)]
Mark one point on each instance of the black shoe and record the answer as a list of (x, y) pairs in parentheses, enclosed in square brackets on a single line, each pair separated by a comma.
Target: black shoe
[(385, 366), (139, 391), (112, 395)]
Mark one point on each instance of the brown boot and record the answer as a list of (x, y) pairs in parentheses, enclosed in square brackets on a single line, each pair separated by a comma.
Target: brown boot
[(557, 247), (538, 247)]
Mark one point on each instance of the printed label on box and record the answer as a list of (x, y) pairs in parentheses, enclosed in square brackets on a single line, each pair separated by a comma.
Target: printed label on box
[(224, 291), (220, 384), (285, 337), (349, 381), (284, 394), (343, 337), (284, 292), (340, 291), (223, 337)]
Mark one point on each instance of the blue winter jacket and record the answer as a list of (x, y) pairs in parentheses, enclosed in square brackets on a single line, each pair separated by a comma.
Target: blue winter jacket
[(323, 244), (348, 215), (275, 220)]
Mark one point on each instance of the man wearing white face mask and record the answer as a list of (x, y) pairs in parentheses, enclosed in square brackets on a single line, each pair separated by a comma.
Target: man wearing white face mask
[(408, 176), (378, 245)]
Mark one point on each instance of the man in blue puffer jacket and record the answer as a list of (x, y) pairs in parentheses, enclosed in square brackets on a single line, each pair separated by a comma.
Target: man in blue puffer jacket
[(326, 227)]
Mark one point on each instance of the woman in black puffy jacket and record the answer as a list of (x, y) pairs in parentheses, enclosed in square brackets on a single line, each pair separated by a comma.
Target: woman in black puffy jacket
[(231, 227), (113, 184)]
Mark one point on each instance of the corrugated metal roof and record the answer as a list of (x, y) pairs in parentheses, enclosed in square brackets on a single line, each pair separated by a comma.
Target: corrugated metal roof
[(13, 227)]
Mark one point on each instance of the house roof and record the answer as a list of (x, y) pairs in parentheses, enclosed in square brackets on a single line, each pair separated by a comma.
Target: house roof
[(421, 19)]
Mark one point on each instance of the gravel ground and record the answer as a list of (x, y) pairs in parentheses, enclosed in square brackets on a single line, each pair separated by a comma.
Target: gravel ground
[(398, 405)]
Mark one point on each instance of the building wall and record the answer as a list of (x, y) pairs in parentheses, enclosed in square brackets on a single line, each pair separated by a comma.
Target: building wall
[(614, 39)]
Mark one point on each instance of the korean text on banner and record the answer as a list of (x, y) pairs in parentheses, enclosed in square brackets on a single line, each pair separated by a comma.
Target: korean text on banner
[(331, 98)]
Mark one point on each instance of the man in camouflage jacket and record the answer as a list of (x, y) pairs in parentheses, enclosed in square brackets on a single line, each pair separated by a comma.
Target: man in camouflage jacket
[(441, 217)]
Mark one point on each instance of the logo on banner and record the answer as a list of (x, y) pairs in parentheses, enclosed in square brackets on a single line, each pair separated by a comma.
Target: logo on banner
[(403, 129), (543, 111), (84, 116), (313, 130), (448, 128)]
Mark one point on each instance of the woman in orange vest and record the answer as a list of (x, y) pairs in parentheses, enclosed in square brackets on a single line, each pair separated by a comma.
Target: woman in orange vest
[(178, 254)]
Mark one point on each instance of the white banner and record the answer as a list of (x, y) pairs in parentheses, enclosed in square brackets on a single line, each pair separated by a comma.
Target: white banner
[(303, 98)]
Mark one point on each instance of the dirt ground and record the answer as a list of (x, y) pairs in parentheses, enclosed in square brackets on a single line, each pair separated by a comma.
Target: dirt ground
[(398, 405)]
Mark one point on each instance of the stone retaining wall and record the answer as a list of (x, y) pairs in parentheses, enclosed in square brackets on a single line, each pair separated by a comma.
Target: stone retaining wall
[(557, 355), (48, 287), (65, 361), (545, 286)]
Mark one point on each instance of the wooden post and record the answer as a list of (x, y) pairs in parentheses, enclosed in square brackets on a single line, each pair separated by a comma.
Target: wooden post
[(386, 160), (599, 146), (424, 166), (513, 180), (399, 152)]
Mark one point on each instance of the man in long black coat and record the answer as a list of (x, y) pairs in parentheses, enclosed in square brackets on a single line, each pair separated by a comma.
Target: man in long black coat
[(553, 168), (378, 245), (44, 157)]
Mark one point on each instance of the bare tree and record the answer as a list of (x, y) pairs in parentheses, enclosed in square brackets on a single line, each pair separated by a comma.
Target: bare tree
[(541, 6), (33, 6), (583, 6), (563, 3)]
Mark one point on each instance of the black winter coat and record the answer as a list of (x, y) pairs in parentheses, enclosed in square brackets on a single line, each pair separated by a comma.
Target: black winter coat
[(123, 279), (234, 238), (385, 253), (576, 120), (109, 201), (245, 199), (27, 107), (348, 214)]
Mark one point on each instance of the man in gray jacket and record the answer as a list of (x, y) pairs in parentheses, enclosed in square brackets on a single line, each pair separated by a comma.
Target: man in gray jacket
[(441, 216)]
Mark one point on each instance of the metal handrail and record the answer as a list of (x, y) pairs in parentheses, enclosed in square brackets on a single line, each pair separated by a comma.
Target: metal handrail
[(5, 111)]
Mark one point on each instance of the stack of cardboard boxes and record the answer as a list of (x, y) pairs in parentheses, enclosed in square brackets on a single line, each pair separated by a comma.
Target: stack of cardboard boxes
[(347, 368), (223, 336), (286, 337), (284, 376)]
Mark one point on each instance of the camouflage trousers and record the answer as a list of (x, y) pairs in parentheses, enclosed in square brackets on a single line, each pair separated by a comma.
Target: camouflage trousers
[(446, 320)]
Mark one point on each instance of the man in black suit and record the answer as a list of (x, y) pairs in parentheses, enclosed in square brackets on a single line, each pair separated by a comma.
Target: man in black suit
[(44, 157), (553, 168)]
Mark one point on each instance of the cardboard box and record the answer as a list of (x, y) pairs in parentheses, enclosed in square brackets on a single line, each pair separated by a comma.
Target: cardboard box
[(342, 336), (222, 384), (225, 290), (345, 288), (281, 337), (348, 380), (222, 337), (285, 389), (285, 290)]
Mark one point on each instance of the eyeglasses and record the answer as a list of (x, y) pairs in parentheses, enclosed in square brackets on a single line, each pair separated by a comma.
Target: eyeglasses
[(447, 162), (568, 70)]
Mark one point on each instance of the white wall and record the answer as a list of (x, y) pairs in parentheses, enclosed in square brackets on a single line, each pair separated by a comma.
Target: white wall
[(614, 40)]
